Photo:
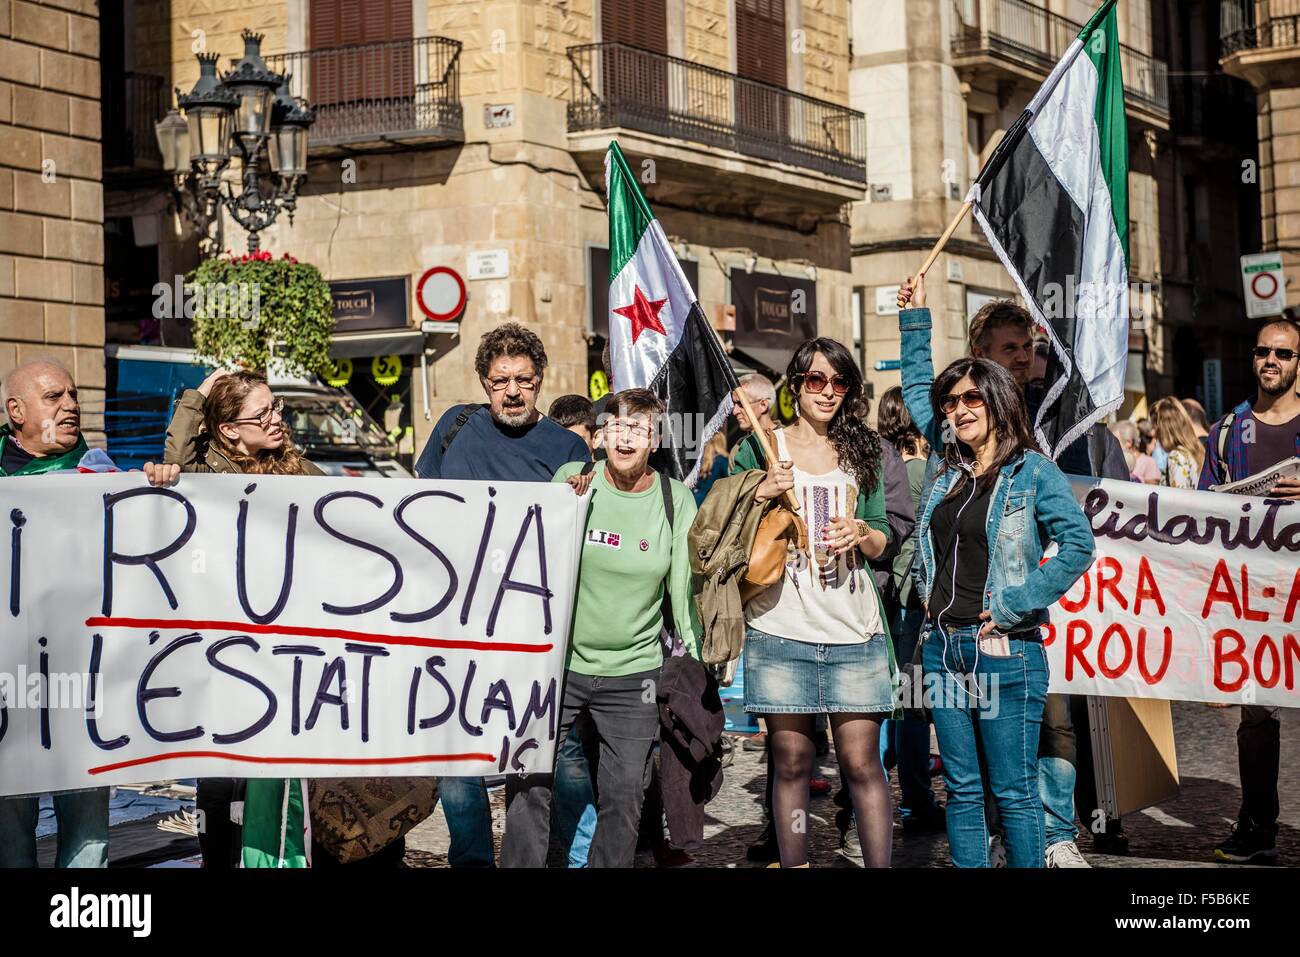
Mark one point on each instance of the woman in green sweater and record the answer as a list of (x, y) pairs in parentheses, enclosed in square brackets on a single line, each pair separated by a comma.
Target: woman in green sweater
[(816, 642), (633, 553)]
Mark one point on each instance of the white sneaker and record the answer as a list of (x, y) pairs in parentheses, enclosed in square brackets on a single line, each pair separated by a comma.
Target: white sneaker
[(997, 852), (1064, 854)]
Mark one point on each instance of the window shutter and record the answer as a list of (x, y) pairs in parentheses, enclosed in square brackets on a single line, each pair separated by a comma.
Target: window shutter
[(761, 40), (349, 76), (638, 23)]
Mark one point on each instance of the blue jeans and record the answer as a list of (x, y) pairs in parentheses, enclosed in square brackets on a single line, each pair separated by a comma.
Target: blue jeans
[(1056, 778), (906, 742), (992, 705), (573, 806), (83, 829), (469, 819)]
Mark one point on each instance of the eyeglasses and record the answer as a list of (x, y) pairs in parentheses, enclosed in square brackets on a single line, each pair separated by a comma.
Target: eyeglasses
[(816, 382), (638, 430), (526, 383), (971, 398), (1284, 355), (262, 418)]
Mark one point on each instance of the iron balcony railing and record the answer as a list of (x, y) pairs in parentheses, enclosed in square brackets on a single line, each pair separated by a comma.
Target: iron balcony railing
[(1259, 24), (616, 85), (130, 109), (372, 91), (1034, 36)]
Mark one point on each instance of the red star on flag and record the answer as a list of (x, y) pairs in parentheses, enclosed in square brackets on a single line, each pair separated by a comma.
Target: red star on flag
[(643, 313)]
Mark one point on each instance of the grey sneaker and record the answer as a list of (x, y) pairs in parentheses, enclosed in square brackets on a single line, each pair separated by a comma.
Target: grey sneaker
[(1064, 854), (850, 847), (997, 852)]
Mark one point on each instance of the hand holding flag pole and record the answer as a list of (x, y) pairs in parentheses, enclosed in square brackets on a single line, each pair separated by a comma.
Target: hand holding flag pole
[(938, 246), (768, 453)]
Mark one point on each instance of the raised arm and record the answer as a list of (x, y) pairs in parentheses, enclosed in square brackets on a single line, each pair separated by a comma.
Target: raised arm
[(914, 325)]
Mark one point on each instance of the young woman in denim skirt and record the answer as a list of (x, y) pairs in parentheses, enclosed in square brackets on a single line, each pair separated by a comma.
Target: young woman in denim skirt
[(816, 642), (996, 504)]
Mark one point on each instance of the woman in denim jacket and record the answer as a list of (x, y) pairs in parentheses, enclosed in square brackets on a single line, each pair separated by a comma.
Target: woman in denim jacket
[(995, 505)]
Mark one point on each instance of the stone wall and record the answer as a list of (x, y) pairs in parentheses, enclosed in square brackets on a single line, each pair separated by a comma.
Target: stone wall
[(51, 194)]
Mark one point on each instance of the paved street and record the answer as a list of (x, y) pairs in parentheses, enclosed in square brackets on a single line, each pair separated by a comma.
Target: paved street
[(1177, 833)]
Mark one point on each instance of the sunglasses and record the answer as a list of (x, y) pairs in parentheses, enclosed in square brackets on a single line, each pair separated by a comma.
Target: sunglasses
[(816, 382), (1284, 355), (971, 398)]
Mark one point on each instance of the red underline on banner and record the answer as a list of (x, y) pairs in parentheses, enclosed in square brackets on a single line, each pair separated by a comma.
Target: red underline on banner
[(241, 627), (254, 759)]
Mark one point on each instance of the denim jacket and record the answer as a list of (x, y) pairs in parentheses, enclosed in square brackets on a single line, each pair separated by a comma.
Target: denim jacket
[(1032, 505)]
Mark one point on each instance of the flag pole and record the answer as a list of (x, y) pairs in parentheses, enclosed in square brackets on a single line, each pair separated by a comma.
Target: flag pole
[(761, 435), (943, 241)]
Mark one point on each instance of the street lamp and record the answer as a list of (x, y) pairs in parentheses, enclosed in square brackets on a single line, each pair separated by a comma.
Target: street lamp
[(248, 112)]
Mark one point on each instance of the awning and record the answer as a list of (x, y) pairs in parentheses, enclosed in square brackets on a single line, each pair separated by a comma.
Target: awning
[(407, 342)]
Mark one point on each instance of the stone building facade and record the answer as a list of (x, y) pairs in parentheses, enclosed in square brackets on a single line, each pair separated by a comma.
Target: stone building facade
[(51, 193), (734, 113)]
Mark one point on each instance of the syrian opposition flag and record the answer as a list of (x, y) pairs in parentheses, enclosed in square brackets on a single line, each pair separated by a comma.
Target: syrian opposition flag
[(659, 338), (1053, 201)]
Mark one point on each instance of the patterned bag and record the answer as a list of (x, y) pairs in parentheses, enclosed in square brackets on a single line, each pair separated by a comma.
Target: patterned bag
[(353, 818)]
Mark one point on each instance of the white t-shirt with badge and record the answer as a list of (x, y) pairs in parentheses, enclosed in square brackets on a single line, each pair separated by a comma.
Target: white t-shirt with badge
[(834, 605)]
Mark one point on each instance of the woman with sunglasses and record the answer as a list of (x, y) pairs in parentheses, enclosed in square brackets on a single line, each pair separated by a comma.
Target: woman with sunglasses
[(995, 506), (233, 424), (816, 642)]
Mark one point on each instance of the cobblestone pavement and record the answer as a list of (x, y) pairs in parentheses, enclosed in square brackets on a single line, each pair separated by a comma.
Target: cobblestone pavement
[(1179, 832)]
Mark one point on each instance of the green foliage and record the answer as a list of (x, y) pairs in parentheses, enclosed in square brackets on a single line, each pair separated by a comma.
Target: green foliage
[(247, 309)]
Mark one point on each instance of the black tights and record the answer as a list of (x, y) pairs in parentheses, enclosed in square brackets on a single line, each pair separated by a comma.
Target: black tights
[(857, 750)]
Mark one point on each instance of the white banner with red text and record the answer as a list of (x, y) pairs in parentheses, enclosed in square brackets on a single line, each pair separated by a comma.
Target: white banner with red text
[(1193, 596)]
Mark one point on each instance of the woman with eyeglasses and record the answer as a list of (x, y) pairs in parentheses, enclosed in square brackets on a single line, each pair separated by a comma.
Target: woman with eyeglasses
[(995, 506), (233, 424), (634, 556), (816, 642)]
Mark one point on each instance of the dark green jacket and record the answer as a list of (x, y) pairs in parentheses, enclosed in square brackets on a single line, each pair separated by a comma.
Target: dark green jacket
[(190, 449), (48, 463)]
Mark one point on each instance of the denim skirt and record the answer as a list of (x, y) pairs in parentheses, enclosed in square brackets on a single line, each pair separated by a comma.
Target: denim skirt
[(783, 676)]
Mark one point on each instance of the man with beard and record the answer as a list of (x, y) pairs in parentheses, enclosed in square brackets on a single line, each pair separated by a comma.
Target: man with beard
[(1253, 437), (43, 436), (506, 440)]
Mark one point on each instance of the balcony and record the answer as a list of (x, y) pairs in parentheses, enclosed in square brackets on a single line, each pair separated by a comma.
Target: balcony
[(767, 145), (1020, 40), (130, 108), (379, 95), (1261, 42)]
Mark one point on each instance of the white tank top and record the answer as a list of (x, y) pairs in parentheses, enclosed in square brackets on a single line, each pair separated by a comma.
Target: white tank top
[(834, 605)]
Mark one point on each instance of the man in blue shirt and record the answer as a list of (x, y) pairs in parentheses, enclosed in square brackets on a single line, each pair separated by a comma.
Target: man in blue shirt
[(506, 440)]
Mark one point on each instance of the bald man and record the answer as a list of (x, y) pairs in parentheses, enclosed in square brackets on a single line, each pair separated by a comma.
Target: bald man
[(43, 435)]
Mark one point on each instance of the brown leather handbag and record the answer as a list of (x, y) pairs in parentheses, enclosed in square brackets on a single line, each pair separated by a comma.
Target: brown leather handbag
[(779, 530)]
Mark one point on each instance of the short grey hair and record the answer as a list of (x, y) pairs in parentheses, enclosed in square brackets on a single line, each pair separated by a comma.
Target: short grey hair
[(759, 387), (1126, 430), (22, 369)]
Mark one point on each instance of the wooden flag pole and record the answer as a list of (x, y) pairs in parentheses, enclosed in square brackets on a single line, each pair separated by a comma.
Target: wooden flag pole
[(943, 241), (768, 452)]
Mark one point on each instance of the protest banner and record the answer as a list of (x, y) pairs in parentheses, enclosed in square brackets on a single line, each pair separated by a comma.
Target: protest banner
[(1192, 596), (271, 626)]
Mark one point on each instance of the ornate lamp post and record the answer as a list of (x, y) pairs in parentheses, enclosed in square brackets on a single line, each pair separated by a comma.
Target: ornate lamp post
[(248, 112)]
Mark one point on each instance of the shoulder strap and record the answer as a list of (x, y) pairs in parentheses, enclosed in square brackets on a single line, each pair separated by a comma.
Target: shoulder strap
[(1225, 432), (587, 466), (461, 419), (665, 487)]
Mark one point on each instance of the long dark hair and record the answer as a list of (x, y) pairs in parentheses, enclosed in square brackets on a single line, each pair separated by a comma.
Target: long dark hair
[(895, 422), (1005, 405), (857, 446)]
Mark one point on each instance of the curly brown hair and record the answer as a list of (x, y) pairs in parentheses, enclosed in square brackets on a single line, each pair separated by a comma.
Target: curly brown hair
[(223, 405), (510, 339)]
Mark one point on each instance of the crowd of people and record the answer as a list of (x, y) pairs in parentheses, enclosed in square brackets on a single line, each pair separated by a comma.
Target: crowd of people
[(908, 554)]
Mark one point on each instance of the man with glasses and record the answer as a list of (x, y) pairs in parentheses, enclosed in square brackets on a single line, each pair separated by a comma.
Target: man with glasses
[(506, 440), (1253, 437)]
